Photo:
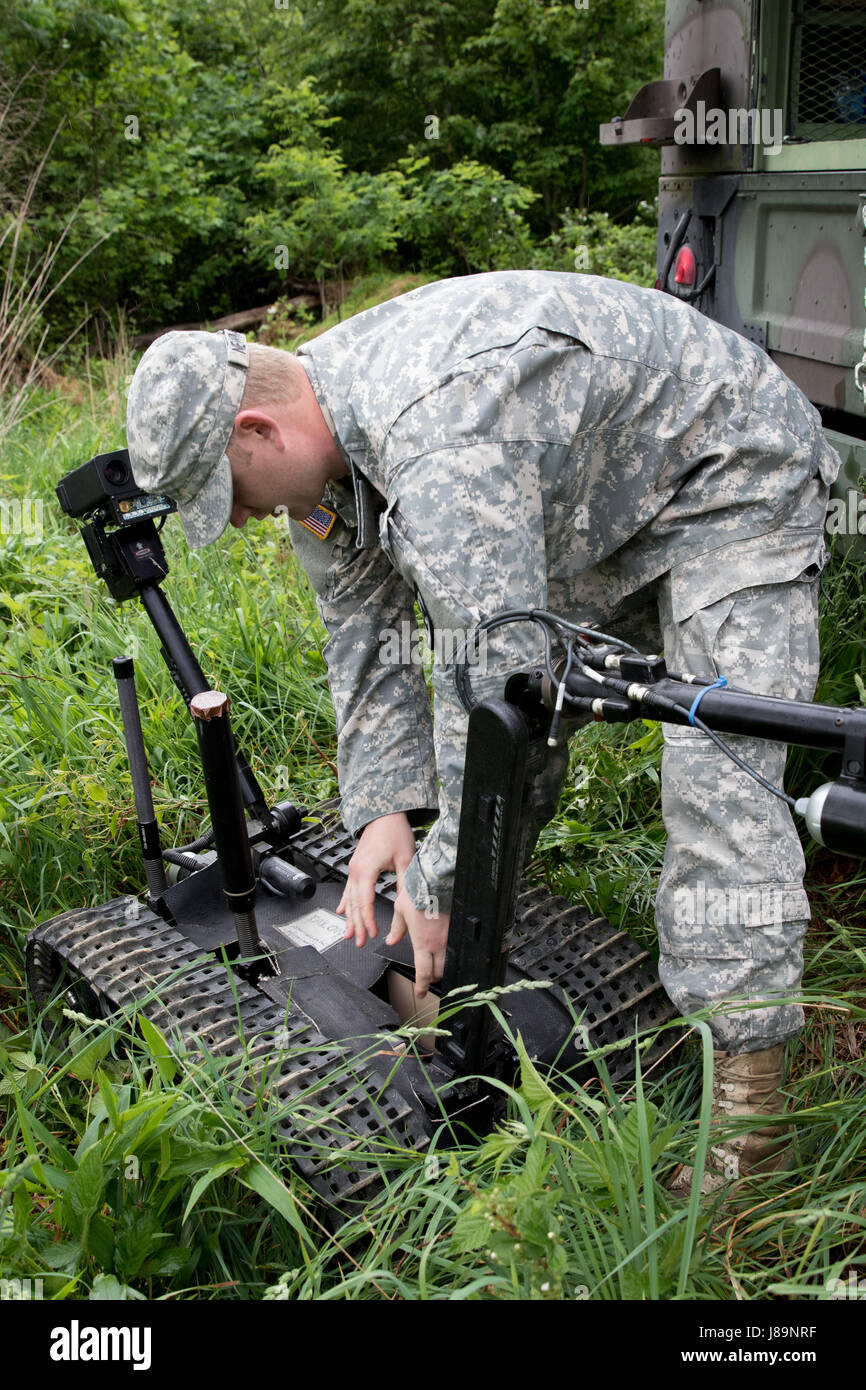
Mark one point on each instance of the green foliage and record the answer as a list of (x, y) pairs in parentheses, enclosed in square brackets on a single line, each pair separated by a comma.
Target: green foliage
[(156, 148), (117, 1209), (188, 144), (518, 85), (467, 218), (594, 1161), (320, 216), (593, 243)]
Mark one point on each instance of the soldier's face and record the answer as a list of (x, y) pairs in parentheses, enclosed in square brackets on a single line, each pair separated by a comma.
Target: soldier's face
[(275, 464)]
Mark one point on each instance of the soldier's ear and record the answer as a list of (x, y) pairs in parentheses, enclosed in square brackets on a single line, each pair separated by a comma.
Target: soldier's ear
[(240, 449), (255, 421)]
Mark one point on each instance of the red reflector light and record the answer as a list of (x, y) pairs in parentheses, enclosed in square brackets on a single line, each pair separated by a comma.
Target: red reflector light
[(685, 270)]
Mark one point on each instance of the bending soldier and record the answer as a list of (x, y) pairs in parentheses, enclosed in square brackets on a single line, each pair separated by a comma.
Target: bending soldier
[(533, 439)]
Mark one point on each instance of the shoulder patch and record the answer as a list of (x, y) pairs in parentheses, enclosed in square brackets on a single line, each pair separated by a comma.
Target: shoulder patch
[(320, 521)]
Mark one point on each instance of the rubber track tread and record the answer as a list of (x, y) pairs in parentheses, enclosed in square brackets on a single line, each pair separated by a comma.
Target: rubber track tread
[(138, 963)]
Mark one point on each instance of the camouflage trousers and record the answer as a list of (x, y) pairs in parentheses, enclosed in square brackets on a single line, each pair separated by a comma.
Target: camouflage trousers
[(731, 911)]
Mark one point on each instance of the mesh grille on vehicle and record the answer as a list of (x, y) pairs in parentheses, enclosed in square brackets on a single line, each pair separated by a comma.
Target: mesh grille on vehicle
[(827, 86)]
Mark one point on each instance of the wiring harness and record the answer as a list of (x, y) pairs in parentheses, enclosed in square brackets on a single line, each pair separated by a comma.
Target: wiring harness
[(596, 655)]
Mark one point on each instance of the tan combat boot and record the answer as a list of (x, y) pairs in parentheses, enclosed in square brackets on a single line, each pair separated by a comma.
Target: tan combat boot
[(744, 1083)]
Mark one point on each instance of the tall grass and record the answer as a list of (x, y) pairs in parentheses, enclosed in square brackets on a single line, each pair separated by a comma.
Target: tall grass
[(29, 279)]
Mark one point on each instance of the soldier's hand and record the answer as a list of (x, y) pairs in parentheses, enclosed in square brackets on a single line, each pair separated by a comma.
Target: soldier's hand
[(429, 936), (386, 843)]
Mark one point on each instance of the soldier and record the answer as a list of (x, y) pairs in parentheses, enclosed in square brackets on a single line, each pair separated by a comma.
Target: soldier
[(534, 439)]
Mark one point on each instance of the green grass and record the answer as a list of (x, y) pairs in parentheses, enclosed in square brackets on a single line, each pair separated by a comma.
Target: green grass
[(125, 1169)]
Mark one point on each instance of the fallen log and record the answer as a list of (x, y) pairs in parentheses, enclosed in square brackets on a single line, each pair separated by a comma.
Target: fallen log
[(241, 322)]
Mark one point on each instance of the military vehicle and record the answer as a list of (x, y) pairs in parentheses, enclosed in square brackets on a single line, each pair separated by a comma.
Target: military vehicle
[(761, 120)]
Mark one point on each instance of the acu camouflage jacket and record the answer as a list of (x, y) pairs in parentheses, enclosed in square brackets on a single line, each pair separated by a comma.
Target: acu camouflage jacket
[(533, 439)]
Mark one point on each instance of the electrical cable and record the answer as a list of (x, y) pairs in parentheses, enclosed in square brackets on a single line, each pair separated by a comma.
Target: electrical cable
[(201, 843), (777, 791), (541, 618), (552, 622)]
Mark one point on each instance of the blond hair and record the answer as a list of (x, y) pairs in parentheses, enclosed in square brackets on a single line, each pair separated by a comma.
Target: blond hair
[(273, 377)]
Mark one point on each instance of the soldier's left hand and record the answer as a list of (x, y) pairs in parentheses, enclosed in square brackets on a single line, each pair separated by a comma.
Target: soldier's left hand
[(429, 936)]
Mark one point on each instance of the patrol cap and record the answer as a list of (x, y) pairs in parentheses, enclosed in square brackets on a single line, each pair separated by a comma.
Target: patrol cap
[(180, 414)]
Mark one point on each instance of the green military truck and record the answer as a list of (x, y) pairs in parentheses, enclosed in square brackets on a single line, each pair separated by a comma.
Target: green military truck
[(761, 116)]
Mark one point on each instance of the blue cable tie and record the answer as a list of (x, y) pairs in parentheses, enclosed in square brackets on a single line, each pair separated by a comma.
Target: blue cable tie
[(700, 695)]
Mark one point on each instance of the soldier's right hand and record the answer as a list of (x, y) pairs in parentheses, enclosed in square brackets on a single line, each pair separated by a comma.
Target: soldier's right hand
[(386, 843)]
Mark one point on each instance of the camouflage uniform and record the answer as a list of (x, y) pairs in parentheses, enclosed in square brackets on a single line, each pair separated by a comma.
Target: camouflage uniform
[(587, 446)]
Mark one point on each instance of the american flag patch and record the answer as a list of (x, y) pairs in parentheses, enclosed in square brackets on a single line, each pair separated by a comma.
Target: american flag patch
[(320, 521)]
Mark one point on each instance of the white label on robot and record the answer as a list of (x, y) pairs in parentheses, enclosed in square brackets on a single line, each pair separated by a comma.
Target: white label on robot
[(319, 928)]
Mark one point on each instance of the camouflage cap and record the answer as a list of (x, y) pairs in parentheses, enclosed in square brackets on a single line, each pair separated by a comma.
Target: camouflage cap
[(180, 413)]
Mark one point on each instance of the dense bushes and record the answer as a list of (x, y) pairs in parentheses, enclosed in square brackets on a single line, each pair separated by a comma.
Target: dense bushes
[(219, 155)]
